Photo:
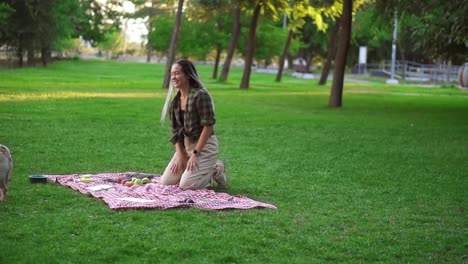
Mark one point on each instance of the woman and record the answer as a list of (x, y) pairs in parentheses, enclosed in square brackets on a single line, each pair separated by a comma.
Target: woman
[(191, 112)]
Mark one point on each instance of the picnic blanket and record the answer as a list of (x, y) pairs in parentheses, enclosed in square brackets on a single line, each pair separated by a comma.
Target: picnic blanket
[(105, 186)]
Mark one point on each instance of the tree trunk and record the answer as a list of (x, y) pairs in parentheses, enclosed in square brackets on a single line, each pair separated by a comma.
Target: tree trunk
[(250, 48), (283, 56), (236, 25), (31, 55), (336, 95), (217, 58), (149, 50), (20, 55), (173, 46), (149, 47), (331, 52), (44, 56), (20, 51), (290, 62)]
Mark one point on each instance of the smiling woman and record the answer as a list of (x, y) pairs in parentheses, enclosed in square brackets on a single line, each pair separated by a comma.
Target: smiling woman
[(195, 163)]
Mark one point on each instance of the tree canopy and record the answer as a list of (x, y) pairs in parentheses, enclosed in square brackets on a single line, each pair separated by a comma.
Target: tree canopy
[(211, 30), (42, 26)]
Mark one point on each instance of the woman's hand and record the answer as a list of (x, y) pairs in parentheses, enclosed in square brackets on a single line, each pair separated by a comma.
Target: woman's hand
[(179, 165), (192, 164)]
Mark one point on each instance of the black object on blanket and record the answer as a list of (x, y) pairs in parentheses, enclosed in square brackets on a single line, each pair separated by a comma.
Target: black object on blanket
[(188, 200)]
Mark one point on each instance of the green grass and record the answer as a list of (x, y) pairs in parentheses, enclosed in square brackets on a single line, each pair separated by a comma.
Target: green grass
[(383, 179)]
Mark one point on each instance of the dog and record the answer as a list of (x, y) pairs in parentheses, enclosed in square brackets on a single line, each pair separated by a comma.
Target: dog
[(6, 166)]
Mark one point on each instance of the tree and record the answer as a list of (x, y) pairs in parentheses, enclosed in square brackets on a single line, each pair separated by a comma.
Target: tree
[(235, 32), (282, 59), (336, 93), (112, 44), (214, 15), (40, 26), (250, 47), (273, 6), (5, 12), (198, 40), (330, 53), (297, 13), (64, 13), (152, 11), (435, 29), (374, 31), (270, 40), (18, 28), (95, 18), (159, 38), (45, 36), (173, 45)]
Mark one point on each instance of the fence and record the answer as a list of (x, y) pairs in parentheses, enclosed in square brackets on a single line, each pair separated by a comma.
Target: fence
[(412, 71)]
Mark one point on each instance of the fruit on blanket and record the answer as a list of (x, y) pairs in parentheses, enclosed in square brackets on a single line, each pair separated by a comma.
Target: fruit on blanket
[(146, 180), (119, 180), (128, 183), (85, 180), (138, 182)]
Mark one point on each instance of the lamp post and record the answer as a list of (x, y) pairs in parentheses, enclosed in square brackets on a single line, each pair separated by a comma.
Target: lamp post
[(392, 79)]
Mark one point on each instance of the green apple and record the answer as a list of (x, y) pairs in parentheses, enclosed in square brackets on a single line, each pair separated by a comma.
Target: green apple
[(146, 180), (138, 182)]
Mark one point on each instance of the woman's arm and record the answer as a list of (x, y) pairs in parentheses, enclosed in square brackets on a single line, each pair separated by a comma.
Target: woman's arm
[(206, 133), (204, 136)]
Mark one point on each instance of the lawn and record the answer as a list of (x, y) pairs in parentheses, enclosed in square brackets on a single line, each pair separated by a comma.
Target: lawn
[(383, 179)]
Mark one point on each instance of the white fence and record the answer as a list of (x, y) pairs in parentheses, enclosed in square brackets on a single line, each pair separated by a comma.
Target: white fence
[(407, 70)]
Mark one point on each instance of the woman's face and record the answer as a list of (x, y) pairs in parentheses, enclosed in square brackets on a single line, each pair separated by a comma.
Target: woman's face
[(178, 77)]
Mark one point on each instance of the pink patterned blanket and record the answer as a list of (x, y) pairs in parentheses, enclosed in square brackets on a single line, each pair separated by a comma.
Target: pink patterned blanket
[(105, 186)]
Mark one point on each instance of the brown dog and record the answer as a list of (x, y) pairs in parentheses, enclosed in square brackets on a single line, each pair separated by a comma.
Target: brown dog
[(6, 165)]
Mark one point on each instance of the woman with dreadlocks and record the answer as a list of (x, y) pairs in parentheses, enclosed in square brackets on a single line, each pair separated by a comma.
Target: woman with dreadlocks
[(191, 112)]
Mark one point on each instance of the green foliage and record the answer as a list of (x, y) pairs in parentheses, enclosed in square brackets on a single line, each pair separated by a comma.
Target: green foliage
[(210, 21), (93, 18), (199, 38), (112, 43), (270, 42), (374, 31), (64, 17), (370, 29), (5, 13), (67, 44), (381, 180), (160, 37), (40, 26), (315, 42), (430, 30), (446, 26)]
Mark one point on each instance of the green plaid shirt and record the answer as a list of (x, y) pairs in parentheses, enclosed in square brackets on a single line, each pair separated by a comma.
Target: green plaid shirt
[(198, 113)]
